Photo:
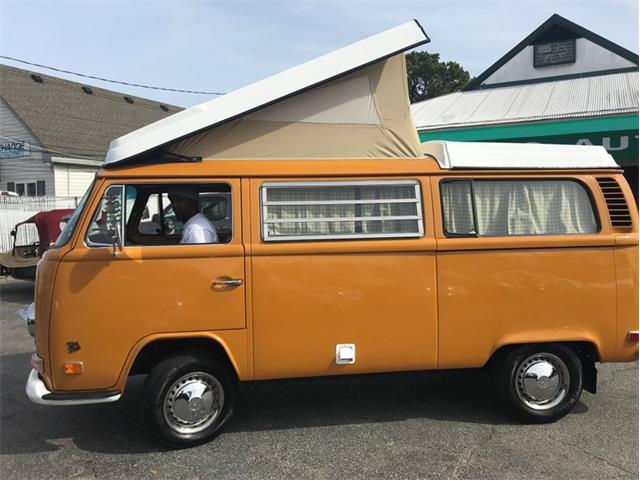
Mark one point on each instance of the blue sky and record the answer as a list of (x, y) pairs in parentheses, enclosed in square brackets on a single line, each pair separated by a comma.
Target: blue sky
[(222, 45)]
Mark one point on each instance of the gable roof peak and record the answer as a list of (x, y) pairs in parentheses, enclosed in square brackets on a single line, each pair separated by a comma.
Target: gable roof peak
[(556, 27)]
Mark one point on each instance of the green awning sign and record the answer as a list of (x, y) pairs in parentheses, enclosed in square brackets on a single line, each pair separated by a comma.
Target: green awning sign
[(618, 134)]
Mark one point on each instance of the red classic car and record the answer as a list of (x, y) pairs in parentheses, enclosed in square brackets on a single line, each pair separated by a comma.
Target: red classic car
[(21, 261)]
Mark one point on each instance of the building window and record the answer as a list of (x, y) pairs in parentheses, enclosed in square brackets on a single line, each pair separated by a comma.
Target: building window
[(31, 189), (341, 210), (40, 190), (494, 208), (20, 189), (11, 186)]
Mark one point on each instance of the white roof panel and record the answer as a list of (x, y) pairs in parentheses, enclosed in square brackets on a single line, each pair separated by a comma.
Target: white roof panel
[(481, 155), (265, 92), (581, 97)]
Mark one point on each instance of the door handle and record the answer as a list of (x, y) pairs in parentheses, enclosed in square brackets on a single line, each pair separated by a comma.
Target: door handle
[(232, 282)]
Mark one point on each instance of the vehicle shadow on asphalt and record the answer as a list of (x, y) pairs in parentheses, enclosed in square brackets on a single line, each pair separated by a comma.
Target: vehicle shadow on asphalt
[(16, 291), (119, 428)]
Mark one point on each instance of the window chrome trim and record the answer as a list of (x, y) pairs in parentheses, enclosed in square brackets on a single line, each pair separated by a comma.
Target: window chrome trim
[(340, 202), (417, 200), (342, 219)]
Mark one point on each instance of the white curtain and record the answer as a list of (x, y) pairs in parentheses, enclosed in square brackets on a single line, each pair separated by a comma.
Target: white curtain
[(457, 208), (519, 207)]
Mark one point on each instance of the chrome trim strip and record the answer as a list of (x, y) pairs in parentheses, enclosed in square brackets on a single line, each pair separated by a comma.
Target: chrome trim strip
[(342, 219), (365, 236), (339, 183), (341, 202)]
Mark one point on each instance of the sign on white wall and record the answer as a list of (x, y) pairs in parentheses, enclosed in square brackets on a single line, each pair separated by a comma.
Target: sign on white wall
[(20, 148)]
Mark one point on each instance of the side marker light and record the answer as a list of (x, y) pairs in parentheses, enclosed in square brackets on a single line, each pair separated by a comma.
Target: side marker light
[(73, 368)]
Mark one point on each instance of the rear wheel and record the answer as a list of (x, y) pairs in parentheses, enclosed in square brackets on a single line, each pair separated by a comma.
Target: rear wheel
[(188, 398), (541, 383)]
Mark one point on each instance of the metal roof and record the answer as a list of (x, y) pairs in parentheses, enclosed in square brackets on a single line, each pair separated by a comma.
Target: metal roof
[(593, 96), (517, 155)]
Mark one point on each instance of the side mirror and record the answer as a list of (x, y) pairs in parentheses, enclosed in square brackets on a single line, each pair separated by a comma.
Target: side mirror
[(145, 213)]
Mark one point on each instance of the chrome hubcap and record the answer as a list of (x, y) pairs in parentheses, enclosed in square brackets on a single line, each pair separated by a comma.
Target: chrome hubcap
[(542, 381), (193, 403)]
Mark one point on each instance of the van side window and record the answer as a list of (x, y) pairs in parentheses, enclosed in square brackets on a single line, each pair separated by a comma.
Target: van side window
[(186, 213), (163, 214), (491, 208), (107, 221), (341, 210)]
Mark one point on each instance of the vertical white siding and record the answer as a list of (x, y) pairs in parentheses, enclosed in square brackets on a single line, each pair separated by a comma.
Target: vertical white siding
[(23, 169), (61, 179), (73, 180)]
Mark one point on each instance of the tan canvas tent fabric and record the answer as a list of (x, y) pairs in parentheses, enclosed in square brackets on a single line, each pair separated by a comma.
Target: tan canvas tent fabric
[(372, 121), (350, 103)]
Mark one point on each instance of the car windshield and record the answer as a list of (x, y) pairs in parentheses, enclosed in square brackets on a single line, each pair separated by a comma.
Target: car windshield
[(65, 235)]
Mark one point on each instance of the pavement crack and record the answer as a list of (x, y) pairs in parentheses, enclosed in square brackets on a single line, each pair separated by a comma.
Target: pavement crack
[(593, 455)]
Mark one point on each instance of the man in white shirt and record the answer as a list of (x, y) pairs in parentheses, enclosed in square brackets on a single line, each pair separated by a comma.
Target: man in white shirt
[(186, 205)]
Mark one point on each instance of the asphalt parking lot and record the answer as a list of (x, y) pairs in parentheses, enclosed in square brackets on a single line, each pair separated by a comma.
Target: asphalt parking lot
[(391, 426)]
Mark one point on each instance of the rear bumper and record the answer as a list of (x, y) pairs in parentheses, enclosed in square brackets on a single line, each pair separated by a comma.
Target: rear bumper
[(38, 393)]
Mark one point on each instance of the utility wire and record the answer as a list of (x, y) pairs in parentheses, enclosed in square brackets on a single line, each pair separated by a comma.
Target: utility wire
[(111, 81)]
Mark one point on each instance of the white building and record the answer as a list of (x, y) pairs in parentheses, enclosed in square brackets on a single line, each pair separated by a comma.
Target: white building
[(54, 133), (562, 84)]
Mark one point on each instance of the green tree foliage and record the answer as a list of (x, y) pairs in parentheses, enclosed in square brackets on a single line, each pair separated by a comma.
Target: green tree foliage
[(428, 77)]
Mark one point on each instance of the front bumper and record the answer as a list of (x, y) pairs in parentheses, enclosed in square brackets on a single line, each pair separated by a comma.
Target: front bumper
[(28, 314), (38, 393)]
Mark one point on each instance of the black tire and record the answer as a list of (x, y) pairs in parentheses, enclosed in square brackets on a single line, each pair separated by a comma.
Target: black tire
[(511, 384), (201, 372)]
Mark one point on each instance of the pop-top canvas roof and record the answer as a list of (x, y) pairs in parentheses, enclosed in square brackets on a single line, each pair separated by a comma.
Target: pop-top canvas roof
[(484, 155), (350, 103)]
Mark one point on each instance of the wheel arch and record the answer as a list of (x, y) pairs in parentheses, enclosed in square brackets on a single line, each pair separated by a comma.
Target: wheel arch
[(149, 351), (587, 352)]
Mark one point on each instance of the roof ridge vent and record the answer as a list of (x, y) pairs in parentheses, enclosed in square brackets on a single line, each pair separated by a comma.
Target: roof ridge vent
[(616, 203), (36, 78), (87, 90), (128, 99)]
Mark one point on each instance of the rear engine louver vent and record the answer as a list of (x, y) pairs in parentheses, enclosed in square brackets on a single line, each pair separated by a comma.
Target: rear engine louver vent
[(617, 205)]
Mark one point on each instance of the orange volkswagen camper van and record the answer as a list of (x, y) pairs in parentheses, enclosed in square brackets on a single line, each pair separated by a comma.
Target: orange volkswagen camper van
[(233, 243)]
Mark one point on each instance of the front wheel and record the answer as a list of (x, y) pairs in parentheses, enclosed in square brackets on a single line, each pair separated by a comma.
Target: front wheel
[(188, 398), (541, 383)]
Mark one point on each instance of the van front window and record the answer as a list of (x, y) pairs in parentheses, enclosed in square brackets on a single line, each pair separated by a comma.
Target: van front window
[(69, 228)]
